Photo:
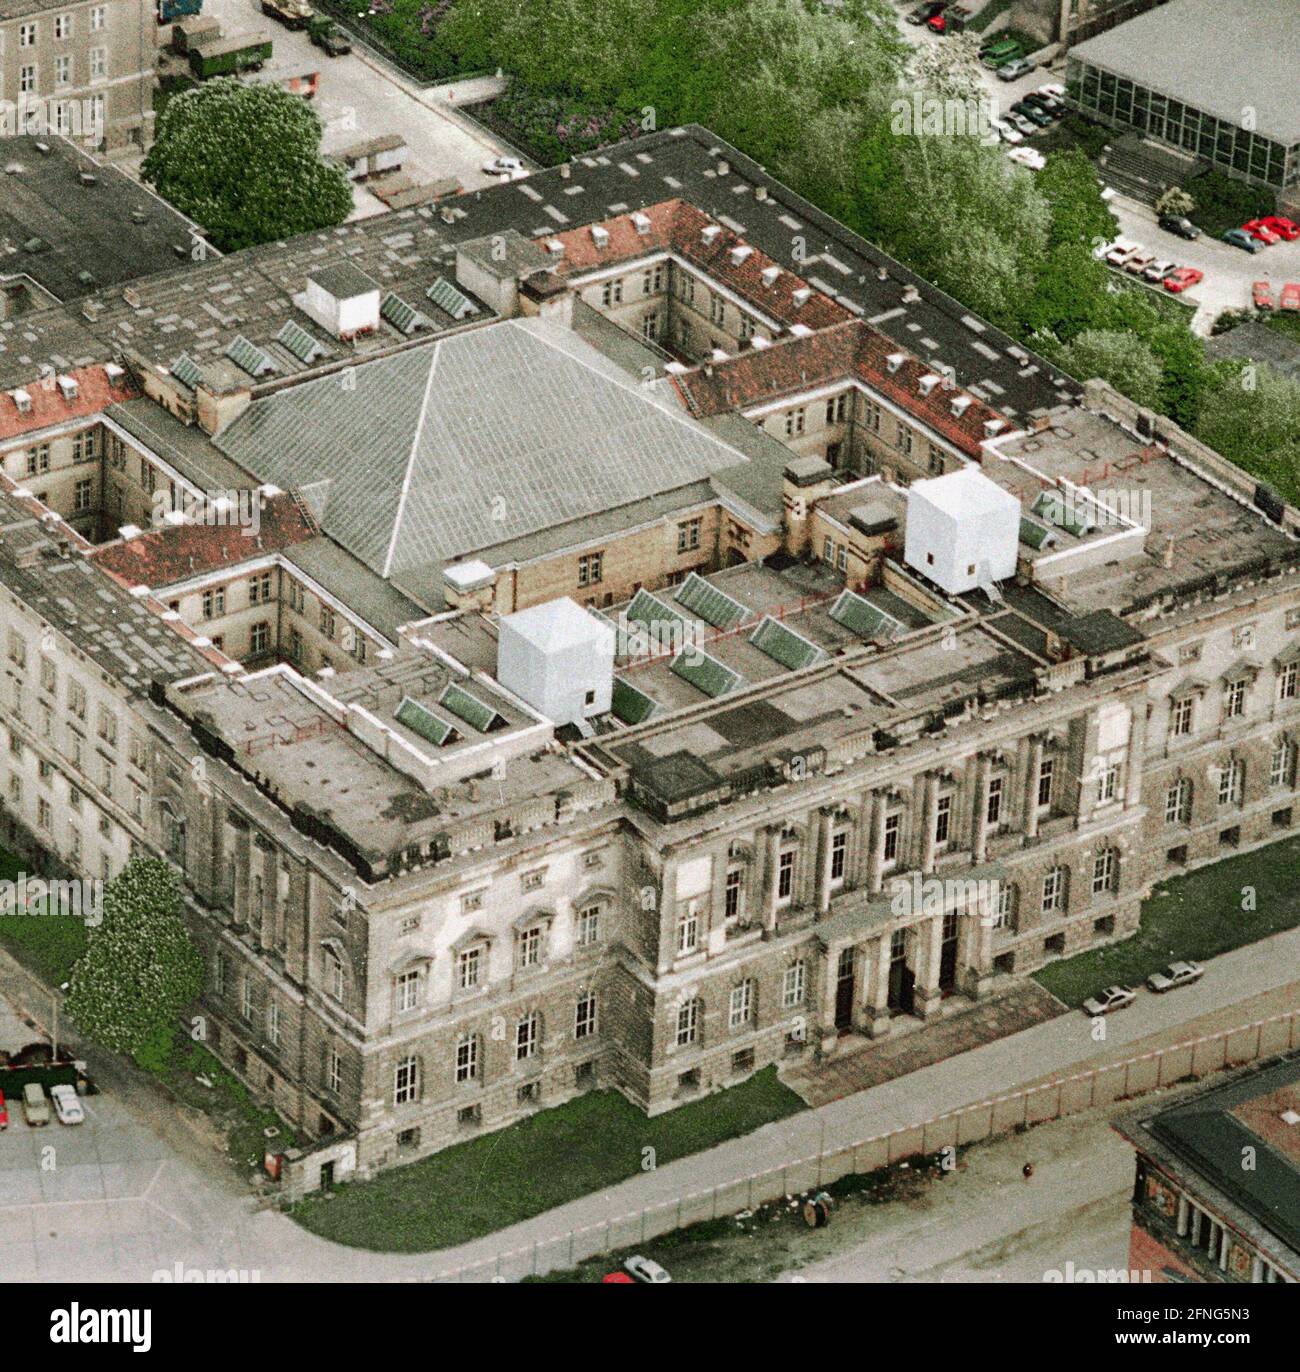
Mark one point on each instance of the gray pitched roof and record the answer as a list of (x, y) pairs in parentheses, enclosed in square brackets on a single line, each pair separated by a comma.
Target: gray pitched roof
[(476, 439)]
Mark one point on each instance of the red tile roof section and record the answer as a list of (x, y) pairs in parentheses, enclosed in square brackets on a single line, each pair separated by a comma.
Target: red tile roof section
[(847, 350), (178, 552), (678, 227), (95, 393)]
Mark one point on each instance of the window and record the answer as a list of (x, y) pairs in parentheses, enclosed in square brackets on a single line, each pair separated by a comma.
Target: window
[(259, 638), (584, 1018), (74, 799), (1234, 699), (742, 1004), (1006, 906), (327, 621), (1046, 773), (273, 1022), (839, 855), (530, 947), (794, 421), (27, 35), (611, 293), (1281, 770), (1243, 636), (98, 16), (591, 567), (63, 70), (214, 602), (652, 279), (688, 535), (1180, 717), (334, 1071), (533, 881), (745, 329), (588, 925), (1105, 871), (469, 968), (1230, 779), (405, 1081), (688, 928), (785, 876), (1054, 890), (688, 1021), (76, 698), (83, 496), (993, 807), (837, 408), (1288, 681), (893, 824), (717, 309), (98, 63), (1108, 785), (27, 80), (905, 438), (219, 975), (1178, 802), (943, 819), (792, 986), (246, 1006), (871, 415), (259, 589), (336, 978), (38, 458), (62, 26), (467, 1058), (471, 901), (407, 989), (49, 677), (526, 1038)]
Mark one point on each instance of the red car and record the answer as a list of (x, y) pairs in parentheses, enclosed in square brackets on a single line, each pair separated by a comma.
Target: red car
[(1182, 278), (618, 1279), (936, 23), (4, 1112), (1284, 228), (1262, 294), (1291, 295), (1260, 231)]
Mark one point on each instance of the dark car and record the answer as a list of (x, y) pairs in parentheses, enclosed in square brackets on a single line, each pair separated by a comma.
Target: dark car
[(1239, 238), (1046, 103), (1032, 113), (1179, 224)]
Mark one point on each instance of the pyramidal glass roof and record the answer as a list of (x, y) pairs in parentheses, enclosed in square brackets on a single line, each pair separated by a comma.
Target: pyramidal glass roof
[(863, 618), (710, 604), (705, 673), (420, 720), (469, 708), (783, 645)]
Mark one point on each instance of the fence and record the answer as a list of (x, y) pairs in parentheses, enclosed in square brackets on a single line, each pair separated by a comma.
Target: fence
[(985, 1119)]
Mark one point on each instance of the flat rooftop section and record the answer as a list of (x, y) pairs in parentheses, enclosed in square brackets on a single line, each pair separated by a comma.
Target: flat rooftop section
[(74, 238), (1223, 57), (49, 337), (1212, 532), (1202, 1136)]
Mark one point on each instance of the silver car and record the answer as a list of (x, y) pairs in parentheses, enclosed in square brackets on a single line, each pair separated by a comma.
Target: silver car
[(1175, 975), (647, 1270), (1112, 998)]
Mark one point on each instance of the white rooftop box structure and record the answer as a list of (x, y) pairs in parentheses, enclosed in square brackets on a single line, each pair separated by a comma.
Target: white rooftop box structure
[(963, 530), (559, 659), (342, 299)]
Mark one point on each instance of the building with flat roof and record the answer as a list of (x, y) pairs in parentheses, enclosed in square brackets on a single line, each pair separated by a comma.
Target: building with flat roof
[(1213, 78), (1216, 1196)]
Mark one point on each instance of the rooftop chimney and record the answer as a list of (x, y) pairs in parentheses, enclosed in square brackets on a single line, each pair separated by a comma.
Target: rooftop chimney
[(910, 294)]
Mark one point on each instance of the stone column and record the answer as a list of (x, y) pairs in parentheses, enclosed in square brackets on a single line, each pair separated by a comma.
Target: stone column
[(926, 993), (825, 830), (875, 1011), (980, 839), (928, 811), (828, 1035), (241, 857), (1136, 747), (771, 868), (876, 843), (1031, 784)]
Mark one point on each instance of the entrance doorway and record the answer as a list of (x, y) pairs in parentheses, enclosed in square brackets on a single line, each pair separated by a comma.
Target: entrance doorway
[(327, 1176), (845, 981), (902, 980), (948, 954)]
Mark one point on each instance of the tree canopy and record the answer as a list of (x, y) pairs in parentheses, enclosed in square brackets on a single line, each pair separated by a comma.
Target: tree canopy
[(244, 163)]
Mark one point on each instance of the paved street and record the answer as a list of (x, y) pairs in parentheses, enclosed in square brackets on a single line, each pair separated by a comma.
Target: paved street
[(133, 1194)]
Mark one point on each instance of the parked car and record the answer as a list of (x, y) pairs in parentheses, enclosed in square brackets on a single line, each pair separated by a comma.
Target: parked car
[(1053, 90), (937, 23), (1157, 271), (1016, 68), (1284, 228), (1006, 132), (952, 20), (1261, 294), (645, 1269), (1175, 975), (1239, 238), (1026, 126), (1182, 279), (1261, 232), (1038, 117), (618, 1279), (325, 33), (1028, 157), (35, 1110), (1179, 224), (1045, 103), (1139, 262), (922, 13), (503, 166), (4, 1112), (1111, 999), (66, 1105), (1290, 296), (1120, 252), (1000, 51)]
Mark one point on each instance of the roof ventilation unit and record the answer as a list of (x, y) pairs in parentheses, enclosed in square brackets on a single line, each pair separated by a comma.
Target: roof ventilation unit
[(342, 299), (68, 387), (600, 236), (911, 294), (895, 361), (641, 222), (710, 232), (992, 427), (739, 253), (802, 296), (139, 216), (960, 404), (771, 275), (927, 383), (22, 400)]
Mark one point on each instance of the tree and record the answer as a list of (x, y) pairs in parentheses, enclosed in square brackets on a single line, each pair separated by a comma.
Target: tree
[(140, 968), (1078, 213), (949, 70), (1251, 414), (244, 162), (1120, 358), (1175, 200)]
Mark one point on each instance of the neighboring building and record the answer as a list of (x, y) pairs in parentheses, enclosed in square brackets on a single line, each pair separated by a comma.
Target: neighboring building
[(82, 70), (926, 662), (1215, 79), (1216, 1197), (1071, 21)]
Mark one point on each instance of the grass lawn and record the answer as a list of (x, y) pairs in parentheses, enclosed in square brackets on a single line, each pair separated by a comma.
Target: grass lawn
[(1194, 916), (484, 1184), (46, 944)]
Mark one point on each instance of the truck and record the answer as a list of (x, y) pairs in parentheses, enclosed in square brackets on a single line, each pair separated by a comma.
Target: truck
[(170, 10), (230, 56), (293, 14), (325, 33), (194, 33)]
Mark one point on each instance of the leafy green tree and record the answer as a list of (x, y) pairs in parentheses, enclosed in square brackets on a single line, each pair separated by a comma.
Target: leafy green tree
[(244, 162), (1251, 414), (1120, 358), (1078, 213), (140, 968), (1175, 200)]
